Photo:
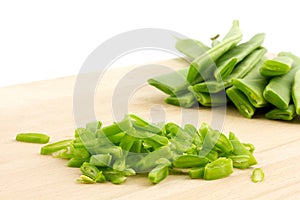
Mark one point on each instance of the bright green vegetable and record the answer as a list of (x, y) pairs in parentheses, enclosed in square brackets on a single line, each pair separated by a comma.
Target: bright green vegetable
[(278, 91), (190, 47), (92, 171), (159, 173), (101, 160), (282, 114), (278, 66), (226, 63), (217, 169), (56, 146), (204, 64), (296, 92), (186, 100), (252, 85), (39, 138), (257, 175), (187, 161), (240, 71), (196, 172), (240, 161), (241, 102), (210, 100)]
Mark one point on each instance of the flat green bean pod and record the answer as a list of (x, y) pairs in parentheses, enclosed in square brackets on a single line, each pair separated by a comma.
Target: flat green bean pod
[(190, 47), (186, 100), (282, 114), (296, 92), (278, 66), (241, 101)]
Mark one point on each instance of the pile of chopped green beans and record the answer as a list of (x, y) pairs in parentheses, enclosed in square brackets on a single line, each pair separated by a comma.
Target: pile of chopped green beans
[(136, 146), (251, 81)]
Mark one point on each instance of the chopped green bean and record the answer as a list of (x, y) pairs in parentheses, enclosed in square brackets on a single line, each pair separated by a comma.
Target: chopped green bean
[(92, 171), (196, 172), (39, 138), (76, 162), (159, 173), (210, 100), (257, 175), (282, 114), (101, 160), (240, 161), (187, 161), (56, 146), (217, 169)]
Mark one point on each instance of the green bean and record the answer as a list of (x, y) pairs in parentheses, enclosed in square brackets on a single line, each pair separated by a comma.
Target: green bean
[(92, 171), (39, 138), (278, 91), (217, 169), (210, 154), (186, 100), (257, 175), (204, 64), (196, 172), (209, 100), (252, 85), (101, 160), (278, 66), (240, 71), (93, 126), (56, 146), (282, 114), (296, 92), (240, 100), (187, 161), (249, 147), (226, 63), (114, 176), (85, 179), (172, 83), (76, 162), (240, 161), (190, 47), (159, 173), (142, 124), (240, 149)]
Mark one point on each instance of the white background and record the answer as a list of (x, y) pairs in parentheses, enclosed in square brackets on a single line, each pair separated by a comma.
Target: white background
[(46, 39)]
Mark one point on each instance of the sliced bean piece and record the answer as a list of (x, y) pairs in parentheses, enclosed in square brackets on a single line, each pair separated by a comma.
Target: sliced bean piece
[(257, 175), (159, 173), (39, 138), (56, 146), (196, 172), (282, 114), (209, 100), (220, 168)]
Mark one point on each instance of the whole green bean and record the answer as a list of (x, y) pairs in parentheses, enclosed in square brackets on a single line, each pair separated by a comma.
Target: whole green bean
[(296, 92), (278, 66), (240, 100), (186, 100), (190, 47), (226, 63), (204, 64), (278, 90), (282, 114), (253, 85)]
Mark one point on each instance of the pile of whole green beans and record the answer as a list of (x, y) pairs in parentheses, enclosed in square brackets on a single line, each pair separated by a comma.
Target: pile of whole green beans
[(134, 145), (232, 72)]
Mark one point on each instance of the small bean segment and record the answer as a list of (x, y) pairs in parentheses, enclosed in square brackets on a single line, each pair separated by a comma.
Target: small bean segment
[(257, 175), (39, 138), (219, 168)]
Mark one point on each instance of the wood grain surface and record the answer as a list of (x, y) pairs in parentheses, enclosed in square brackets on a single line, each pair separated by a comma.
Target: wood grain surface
[(47, 106)]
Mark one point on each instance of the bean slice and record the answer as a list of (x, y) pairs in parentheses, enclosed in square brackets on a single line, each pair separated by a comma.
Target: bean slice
[(39, 138), (296, 92)]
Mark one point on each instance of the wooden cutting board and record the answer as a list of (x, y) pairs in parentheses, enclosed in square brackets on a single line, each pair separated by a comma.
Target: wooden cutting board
[(47, 106)]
